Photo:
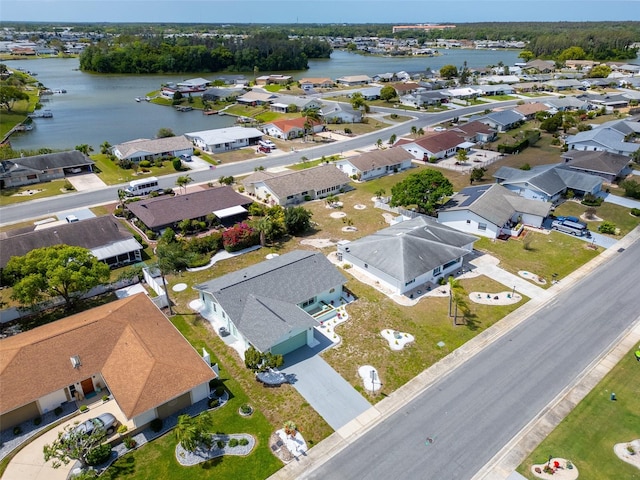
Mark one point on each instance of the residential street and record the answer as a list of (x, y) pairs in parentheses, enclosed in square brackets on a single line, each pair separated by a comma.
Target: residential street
[(61, 203), (475, 410)]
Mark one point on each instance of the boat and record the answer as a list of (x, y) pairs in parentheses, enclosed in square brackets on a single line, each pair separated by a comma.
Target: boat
[(138, 99), (41, 114), (182, 108), (209, 112)]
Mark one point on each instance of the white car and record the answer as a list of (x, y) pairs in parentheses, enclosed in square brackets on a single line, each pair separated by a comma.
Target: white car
[(439, 129)]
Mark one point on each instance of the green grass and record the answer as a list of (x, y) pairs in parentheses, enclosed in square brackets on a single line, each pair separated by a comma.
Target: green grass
[(48, 189), (272, 407), (548, 254), (112, 174), (273, 88), (501, 97), (396, 118), (620, 216), (588, 434)]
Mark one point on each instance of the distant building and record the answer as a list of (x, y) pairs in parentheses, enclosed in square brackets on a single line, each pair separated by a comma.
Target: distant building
[(17, 172), (224, 139)]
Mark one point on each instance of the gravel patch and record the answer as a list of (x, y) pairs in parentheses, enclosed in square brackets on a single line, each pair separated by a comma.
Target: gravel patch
[(202, 453)]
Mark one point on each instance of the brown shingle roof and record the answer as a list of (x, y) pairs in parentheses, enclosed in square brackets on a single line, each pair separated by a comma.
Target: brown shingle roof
[(472, 128), (161, 211), (531, 108), (143, 359), (439, 142)]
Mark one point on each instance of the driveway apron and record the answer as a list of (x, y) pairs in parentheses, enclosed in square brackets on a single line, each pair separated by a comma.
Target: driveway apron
[(326, 391)]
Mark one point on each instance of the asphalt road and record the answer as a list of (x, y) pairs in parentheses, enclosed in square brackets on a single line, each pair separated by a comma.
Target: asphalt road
[(62, 203), (474, 411)]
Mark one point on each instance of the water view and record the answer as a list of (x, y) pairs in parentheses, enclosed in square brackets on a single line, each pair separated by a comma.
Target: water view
[(98, 108)]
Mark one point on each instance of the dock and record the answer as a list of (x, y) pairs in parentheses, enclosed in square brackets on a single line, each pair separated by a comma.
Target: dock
[(182, 108)]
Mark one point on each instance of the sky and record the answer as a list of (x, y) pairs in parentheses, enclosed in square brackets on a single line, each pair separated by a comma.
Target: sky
[(312, 11)]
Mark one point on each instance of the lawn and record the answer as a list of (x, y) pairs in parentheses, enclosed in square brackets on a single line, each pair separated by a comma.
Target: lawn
[(112, 174), (555, 253), (428, 322), (272, 408), (620, 216), (501, 98), (590, 431), (9, 196)]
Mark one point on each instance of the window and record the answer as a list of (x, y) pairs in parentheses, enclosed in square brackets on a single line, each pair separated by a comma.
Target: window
[(311, 301), (468, 221), (410, 282), (482, 226), (366, 265), (436, 271)]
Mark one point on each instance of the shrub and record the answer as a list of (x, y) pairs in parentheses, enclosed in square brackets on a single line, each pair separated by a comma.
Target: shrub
[(105, 398), (243, 441), (214, 403), (607, 227), (591, 200), (245, 408), (177, 164), (68, 186), (57, 411), (37, 421), (238, 237), (144, 164), (99, 455), (635, 212), (220, 444), (347, 130), (219, 390), (84, 408), (233, 442), (17, 430), (122, 429), (156, 425), (129, 442)]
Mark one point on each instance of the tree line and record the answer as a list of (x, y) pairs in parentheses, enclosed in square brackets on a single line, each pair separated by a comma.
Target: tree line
[(264, 51)]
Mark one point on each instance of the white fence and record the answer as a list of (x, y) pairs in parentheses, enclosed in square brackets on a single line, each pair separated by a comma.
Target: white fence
[(161, 300)]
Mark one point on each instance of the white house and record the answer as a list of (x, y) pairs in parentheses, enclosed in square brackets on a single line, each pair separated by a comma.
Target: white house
[(150, 149), (376, 163), (492, 211), (224, 139), (409, 254)]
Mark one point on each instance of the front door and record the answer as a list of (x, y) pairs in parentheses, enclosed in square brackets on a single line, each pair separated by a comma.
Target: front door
[(87, 386)]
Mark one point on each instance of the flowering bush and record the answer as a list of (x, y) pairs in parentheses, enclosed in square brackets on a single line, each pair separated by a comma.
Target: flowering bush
[(238, 237)]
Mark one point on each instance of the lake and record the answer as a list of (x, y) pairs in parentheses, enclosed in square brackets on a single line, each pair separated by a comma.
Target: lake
[(98, 108)]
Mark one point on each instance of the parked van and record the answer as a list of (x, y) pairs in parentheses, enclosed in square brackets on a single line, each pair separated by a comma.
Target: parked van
[(142, 187), (574, 228), (267, 143)]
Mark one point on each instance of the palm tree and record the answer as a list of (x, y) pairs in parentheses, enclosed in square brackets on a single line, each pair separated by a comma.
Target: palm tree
[(454, 288), (191, 431), (456, 298), (104, 147), (421, 131), (414, 130), (312, 118), (379, 143), (84, 148), (183, 181)]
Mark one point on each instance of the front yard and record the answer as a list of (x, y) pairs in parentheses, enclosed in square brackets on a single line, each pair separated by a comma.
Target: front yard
[(620, 216), (10, 196), (588, 434)]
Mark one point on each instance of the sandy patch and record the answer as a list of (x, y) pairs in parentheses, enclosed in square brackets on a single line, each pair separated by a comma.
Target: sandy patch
[(501, 298), (294, 446), (620, 449), (388, 217), (397, 340), (560, 470), (338, 215), (179, 287), (319, 242), (349, 229), (27, 193), (335, 205), (370, 378), (532, 277), (593, 218), (359, 206), (271, 256), (328, 327)]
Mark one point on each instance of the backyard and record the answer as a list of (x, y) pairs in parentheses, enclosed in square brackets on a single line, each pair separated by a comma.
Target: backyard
[(588, 434)]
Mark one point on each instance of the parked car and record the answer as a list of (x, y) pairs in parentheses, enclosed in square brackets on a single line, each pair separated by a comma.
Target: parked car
[(267, 143), (264, 149), (185, 158), (106, 421), (439, 129), (574, 228), (571, 219)]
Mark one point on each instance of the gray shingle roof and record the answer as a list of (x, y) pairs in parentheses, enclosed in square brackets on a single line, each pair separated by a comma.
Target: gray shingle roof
[(94, 233), (380, 158), (155, 146), (262, 300), (70, 159), (411, 248), (550, 179), (316, 178), (495, 203), (160, 211), (601, 162)]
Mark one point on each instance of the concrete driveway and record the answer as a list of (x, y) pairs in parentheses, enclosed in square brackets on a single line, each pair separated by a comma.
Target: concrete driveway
[(86, 182), (326, 391), (617, 200), (29, 464)]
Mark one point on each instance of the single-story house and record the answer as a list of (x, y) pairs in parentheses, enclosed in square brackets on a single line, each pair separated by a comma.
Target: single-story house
[(501, 121), (282, 103), (609, 166), (274, 78), (439, 145), (496, 89), (475, 132), (290, 128), (405, 88), (17, 172), (126, 348), (529, 110), (371, 93), (559, 85), (256, 97), (306, 83), (354, 80), (294, 187), (542, 66), (500, 80), (610, 137), (547, 182), (161, 212), (376, 163), (106, 237), (569, 103), (462, 93), (492, 211), (219, 93), (224, 139), (409, 254), (200, 83), (333, 112), (423, 99), (145, 149), (274, 305), (527, 87)]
